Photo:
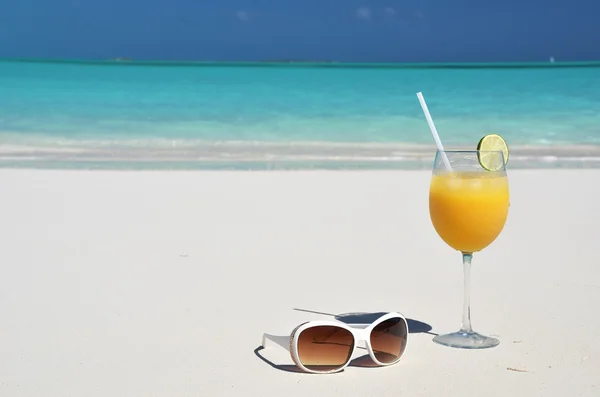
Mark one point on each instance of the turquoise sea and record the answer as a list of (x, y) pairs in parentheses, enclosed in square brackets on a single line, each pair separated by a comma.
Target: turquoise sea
[(152, 115)]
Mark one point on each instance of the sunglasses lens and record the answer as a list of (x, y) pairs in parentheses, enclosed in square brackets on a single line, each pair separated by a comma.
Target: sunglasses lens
[(325, 348), (388, 340)]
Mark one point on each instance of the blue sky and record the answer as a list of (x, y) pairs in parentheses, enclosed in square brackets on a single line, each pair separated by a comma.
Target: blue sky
[(343, 30)]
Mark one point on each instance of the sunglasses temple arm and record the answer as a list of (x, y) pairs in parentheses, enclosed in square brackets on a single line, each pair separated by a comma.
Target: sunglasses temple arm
[(281, 340)]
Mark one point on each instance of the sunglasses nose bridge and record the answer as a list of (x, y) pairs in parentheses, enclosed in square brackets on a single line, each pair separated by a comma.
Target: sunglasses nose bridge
[(362, 344), (362, 337)]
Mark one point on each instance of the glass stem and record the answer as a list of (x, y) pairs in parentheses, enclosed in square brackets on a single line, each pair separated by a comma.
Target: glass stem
[(466, 320)]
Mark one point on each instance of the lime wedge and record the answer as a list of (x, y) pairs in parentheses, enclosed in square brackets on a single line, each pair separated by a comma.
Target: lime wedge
[(487, 154)]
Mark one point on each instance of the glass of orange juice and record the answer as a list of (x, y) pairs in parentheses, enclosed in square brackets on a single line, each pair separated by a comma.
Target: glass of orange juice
[(468, 206)]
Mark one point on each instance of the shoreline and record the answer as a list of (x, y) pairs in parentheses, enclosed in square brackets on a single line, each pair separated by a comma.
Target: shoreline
[(270, 155)]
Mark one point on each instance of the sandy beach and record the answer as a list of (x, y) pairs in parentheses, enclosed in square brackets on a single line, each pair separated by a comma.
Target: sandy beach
[(162, 283)]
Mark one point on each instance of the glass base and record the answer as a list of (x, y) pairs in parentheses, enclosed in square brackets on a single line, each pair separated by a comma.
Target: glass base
[(466, 340)]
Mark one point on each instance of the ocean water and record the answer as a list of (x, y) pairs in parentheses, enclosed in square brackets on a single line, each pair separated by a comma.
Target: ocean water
[(256, 116)]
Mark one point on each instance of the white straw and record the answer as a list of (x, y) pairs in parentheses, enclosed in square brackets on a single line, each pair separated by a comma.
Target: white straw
[(434, 132)]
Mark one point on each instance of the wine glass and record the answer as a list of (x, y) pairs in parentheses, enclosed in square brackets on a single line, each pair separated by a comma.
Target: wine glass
[(468, 206)]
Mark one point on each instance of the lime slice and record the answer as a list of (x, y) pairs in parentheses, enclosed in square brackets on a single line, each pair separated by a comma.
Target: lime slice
[(487, 156)]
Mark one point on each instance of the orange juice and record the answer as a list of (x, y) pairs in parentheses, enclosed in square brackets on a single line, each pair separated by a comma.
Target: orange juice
[(468, 209)]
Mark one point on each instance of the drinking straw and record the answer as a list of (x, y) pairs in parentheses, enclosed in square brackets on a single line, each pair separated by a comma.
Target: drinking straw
[(436, 136)]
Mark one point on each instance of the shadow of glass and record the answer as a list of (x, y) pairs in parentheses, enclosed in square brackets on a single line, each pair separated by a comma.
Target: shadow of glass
[(414, 326)]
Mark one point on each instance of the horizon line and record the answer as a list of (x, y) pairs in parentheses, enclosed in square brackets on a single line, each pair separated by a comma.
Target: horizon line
[(124, 61)]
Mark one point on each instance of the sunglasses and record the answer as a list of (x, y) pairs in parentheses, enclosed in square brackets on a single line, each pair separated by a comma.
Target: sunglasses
[(322, 347)]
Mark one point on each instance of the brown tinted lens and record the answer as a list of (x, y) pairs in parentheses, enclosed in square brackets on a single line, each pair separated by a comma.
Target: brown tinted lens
[(325, 348), (388, 340)]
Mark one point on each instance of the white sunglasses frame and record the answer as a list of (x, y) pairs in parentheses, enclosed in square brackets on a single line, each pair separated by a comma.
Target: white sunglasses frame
[(360, 332)]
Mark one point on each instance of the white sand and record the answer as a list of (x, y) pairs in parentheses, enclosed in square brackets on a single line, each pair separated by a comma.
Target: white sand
[(161, 284)]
